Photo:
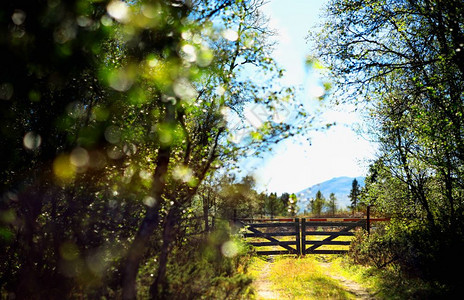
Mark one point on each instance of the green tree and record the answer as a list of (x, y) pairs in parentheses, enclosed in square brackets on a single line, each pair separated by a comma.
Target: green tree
[(332, 204), (285, 197), (317, 204), (237, 199), (292, 207), (405, 59), (289, 203), (354, 195), (273, 206)]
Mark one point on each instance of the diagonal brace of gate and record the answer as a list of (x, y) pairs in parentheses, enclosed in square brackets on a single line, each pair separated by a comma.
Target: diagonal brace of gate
[(271, 239), (329, 238)]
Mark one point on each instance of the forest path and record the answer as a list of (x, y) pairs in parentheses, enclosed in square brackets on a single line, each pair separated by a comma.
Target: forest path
[(312, 287), (352, 287), (263, 284)]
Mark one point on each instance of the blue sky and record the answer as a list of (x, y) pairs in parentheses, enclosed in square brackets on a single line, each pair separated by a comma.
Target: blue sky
[(339, 151)]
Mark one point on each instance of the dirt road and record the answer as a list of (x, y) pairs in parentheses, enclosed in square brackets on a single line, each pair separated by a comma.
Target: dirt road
[(266, 289)]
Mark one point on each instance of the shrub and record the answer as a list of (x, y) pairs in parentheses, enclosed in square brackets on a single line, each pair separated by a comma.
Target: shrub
[(373, 250), (206, 267)]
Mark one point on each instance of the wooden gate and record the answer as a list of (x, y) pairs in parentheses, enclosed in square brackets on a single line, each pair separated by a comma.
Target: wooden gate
[(281, 233), (329, 230), (313, 236)]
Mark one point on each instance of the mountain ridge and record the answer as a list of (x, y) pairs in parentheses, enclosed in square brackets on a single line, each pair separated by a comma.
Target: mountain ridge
[(340, 186)]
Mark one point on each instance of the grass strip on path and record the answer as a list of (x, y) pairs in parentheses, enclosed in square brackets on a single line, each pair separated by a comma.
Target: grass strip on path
[(299, 278)]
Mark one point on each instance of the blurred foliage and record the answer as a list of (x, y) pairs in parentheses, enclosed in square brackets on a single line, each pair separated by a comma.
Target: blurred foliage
[(113, 113), (216, 263)]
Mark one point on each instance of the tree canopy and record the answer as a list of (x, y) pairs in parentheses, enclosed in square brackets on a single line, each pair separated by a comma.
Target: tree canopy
[(403, 61), (114, 113), (404, 58)]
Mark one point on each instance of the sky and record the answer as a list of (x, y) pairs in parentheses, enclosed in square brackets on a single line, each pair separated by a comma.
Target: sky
[(338, 151)]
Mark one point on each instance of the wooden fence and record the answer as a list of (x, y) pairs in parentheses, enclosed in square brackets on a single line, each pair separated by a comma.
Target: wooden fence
[(302, 236)]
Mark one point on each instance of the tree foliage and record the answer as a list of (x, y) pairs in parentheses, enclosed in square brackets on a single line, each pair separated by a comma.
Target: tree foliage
[(405, 61), (113, 114), (405, 57), (332, 204), (316, 205), (273, 206)]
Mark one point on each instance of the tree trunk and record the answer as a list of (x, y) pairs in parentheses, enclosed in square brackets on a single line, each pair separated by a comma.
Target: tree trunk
[(151, 219), (206, 205), (136, 252), (160, 287)]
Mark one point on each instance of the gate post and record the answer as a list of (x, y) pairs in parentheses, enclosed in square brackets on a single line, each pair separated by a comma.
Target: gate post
[(297, 238), (368, 220), (303, 236)]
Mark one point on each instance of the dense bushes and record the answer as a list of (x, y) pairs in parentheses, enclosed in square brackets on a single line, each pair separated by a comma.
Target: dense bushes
[(416, 252), (372, 250)]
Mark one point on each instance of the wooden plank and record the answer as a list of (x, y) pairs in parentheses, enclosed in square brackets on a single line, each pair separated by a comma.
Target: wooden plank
[(275, 252), (345, 243), (266, 220), (297, 237), (334, 233), (268, 234), (379, 220), (279, 243), (334, 224), (303, 236), (326, 251), (258, 225), (343, 231), (334, 219), (316, 220), (353, 219)]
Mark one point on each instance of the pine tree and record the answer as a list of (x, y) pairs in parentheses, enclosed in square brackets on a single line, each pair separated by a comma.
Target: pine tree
[(332, 204), (317, 204), (273, 205), (354, 194)]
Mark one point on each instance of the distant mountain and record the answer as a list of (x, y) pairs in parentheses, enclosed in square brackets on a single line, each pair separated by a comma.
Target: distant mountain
[(340, 186)]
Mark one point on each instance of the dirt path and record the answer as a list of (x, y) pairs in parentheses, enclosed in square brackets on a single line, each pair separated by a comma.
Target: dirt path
[(350, 286), (265, 290), (263, 285)]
